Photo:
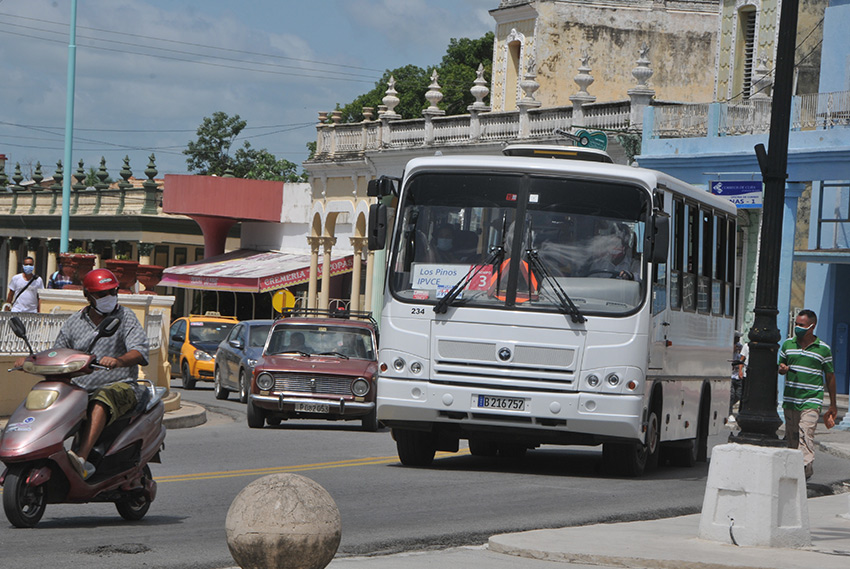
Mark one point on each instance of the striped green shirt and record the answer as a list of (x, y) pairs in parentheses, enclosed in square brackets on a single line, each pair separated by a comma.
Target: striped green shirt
[(806, 369)]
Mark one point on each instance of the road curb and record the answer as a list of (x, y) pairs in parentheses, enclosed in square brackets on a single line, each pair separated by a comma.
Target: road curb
[(188, 415)]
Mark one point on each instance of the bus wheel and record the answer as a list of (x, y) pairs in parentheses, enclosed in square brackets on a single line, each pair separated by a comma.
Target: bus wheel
[(633, 459), (415, 448), (483, 447)]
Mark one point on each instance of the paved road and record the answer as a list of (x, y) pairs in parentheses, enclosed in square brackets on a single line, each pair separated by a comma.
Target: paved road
[(385, 508)]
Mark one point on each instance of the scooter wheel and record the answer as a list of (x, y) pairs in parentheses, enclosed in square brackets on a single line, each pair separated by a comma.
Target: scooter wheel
[(134, 507), (24, 505)]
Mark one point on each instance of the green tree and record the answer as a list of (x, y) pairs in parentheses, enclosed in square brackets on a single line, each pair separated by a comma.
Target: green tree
[(210, 155), (457, 71)]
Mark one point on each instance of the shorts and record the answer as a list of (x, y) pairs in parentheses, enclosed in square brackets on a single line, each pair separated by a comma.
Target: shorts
[(119, 399)]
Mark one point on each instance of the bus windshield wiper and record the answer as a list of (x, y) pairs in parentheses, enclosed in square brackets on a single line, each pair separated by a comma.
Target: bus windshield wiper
[(564, 301), (497, 253)]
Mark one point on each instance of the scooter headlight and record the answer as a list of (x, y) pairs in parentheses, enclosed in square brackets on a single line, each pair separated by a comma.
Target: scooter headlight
[(49, 369), (39, 399)]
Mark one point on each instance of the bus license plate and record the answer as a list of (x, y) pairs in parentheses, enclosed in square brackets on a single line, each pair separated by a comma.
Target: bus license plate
[(312, 407), (496, 402)]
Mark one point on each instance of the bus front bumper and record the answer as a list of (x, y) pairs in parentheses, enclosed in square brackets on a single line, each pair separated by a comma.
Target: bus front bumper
[(598, 416)]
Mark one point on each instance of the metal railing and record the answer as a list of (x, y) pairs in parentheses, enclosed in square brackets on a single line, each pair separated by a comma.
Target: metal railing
[(42, 330)]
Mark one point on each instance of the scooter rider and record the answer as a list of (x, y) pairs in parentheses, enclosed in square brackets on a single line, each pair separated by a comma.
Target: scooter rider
[(113, 392)]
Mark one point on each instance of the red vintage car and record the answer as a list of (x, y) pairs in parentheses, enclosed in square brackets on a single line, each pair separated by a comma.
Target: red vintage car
[(316, 368)]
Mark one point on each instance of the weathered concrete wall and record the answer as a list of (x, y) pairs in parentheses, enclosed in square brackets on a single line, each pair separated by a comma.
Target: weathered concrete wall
[(555, 33)]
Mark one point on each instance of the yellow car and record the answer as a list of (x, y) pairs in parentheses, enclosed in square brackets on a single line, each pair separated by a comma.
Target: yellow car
[(192, 343)]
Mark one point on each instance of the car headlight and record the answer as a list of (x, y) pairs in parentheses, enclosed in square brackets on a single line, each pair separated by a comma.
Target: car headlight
[(265, 381), (251, 363), (202, 356), (360, 387)]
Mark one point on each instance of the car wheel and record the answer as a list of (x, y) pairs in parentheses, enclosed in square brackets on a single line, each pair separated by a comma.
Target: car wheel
[(220, 391), (256, 416), (188, 382), (370, 422), (244, 386), (415, 448), (273, 421)]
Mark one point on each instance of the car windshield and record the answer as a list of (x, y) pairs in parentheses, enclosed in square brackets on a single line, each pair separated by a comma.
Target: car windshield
[(343, 341), (588, 234), (209, 332), (258, 335)]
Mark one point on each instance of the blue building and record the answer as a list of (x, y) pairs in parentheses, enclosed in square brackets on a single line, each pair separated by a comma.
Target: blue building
[(713, 148)]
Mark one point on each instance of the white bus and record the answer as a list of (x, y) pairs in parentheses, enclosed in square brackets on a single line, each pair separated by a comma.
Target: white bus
[(534, 301)]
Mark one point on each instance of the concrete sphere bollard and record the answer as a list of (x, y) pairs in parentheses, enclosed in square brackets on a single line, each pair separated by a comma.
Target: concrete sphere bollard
[(283, 521)]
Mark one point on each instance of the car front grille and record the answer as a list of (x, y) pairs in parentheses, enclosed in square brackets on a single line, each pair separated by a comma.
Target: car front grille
[(319, 384)]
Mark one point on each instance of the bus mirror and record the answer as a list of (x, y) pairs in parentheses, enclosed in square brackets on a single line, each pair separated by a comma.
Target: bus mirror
[(379, 188), (661, 238), (377, 238)]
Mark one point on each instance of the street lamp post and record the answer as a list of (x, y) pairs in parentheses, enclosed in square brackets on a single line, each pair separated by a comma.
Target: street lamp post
[(758, 419)]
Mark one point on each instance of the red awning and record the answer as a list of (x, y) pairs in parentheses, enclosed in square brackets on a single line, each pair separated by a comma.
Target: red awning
[(246, 270)]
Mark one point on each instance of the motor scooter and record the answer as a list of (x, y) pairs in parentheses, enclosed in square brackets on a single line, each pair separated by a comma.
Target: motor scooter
[(47, 424)]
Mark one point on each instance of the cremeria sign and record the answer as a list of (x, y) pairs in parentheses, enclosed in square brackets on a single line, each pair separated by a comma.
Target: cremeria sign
[(249, 271)]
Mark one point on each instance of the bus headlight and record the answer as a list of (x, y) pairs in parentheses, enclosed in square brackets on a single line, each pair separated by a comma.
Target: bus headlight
[(592, 380), (265, 381), (398, 364), (416, 367), (613, 379)]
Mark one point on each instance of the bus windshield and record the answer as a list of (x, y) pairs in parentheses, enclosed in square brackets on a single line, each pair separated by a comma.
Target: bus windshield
[(512, 240)]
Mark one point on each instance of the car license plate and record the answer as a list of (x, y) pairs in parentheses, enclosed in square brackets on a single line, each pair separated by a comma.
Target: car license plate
[(498, 402), (312, 407)]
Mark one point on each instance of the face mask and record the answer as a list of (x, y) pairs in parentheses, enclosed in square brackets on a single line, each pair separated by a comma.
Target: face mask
[(800, 332), (106, 304), (28, 269), (444, 244)]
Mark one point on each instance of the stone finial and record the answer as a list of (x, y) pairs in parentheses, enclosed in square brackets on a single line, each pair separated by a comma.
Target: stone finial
[(4, 179), (126, 174), (150, 172), (479, 90), (368, 113), (434, 95), (80, 177), (529, 84), (336, 117), (102, 175), (37, 176), (642, 72), (17, 177), (323, 117), (58, 176), (391, 100), (584, 79)]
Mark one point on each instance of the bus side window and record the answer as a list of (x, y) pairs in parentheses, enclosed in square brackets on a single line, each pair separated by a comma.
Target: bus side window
[(689, 276), (678, 226), (731, 263), (718, 285), (706, 264)]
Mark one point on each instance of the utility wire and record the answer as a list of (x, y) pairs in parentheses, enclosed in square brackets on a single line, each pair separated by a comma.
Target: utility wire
[(148, 37)]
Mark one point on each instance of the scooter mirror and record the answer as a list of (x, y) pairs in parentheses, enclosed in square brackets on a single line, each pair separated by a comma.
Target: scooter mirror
[(18, 327)]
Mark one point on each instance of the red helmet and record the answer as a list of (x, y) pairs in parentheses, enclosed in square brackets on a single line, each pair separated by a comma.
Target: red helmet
[(99, 279)]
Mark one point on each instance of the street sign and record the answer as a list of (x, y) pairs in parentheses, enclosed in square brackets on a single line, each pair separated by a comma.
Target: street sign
[(745, 194), (283, 299)]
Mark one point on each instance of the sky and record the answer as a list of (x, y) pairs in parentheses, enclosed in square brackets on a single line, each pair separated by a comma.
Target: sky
[(149, 71)]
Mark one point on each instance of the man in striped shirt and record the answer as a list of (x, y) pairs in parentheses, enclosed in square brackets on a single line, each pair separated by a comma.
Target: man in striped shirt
[(807, 361)]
